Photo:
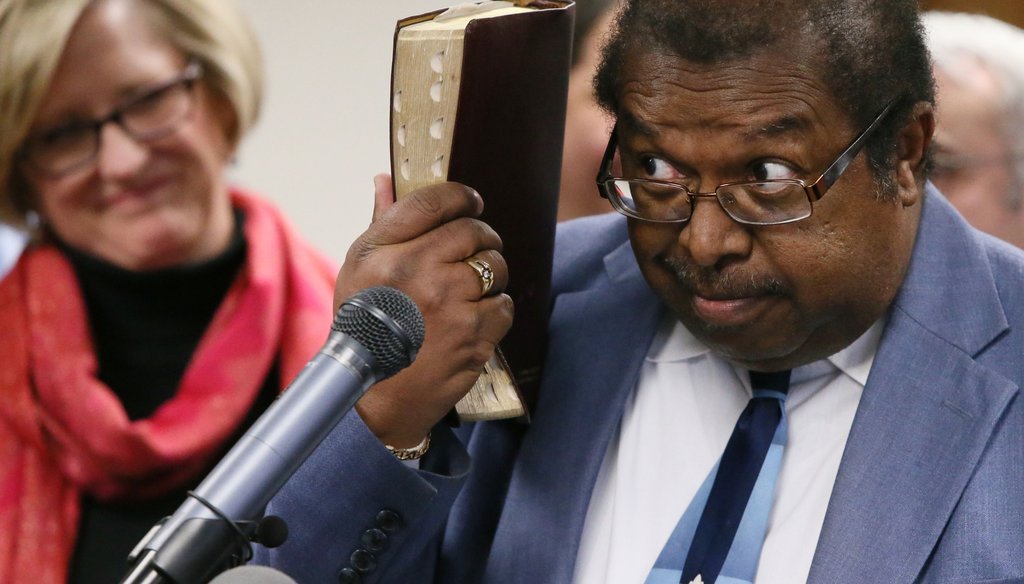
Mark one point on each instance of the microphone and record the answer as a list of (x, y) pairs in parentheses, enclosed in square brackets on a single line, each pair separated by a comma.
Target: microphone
[(376, 333)]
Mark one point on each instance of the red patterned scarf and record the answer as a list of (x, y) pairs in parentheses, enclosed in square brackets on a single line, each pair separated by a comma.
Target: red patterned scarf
[(63, 432)]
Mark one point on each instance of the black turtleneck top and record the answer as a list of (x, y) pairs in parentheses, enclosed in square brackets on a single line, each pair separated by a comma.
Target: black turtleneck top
[(145, 327)]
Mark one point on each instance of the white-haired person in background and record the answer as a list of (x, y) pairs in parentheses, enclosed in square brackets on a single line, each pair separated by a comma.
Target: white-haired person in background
[(979, 139)]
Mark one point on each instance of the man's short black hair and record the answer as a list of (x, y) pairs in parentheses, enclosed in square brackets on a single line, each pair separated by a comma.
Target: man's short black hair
[(868, 51)]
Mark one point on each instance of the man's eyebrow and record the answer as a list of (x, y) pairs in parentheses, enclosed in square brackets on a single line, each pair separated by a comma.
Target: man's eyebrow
[(775, 128)]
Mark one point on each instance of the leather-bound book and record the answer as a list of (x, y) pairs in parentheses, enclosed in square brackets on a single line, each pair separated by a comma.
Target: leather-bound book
[(478, 97)]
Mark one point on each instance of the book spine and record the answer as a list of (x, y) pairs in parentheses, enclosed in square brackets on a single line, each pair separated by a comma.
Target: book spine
[(507, 144)]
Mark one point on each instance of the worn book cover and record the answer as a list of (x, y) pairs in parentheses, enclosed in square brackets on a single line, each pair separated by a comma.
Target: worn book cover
[(479, 97)]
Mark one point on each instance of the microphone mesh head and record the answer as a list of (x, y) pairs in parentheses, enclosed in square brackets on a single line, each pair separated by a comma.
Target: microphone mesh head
[(386, 322)]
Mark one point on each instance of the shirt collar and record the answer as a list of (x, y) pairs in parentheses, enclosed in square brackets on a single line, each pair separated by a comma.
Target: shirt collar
[(856, 359), (674, 342)]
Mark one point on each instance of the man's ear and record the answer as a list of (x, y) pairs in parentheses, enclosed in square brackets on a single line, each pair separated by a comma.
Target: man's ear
[(912, 144)]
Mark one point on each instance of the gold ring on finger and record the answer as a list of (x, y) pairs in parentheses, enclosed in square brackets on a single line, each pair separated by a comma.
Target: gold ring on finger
[(484, 271)]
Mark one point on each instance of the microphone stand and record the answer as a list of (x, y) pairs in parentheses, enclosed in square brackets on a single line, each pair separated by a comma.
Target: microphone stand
[(200, 548), (196, 551)]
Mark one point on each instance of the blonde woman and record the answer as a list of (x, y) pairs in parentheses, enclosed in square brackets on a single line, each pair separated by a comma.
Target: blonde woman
[(157, 310)]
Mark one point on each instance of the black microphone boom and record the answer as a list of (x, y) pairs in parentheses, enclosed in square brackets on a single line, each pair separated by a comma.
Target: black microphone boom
[(375, 334)]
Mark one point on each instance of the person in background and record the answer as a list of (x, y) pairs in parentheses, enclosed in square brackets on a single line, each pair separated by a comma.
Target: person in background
[(157, 310), (586, 124), (979, 136), (786, 359), (12, 241)]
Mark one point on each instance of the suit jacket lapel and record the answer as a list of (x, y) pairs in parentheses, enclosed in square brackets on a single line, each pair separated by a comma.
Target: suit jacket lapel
[(927, 412), (601, 337)]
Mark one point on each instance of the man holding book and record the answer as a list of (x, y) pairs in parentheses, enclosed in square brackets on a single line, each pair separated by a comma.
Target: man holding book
[(792, 361)]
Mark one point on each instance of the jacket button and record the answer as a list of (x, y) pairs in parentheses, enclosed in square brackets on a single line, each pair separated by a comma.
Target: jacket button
[(375, 540), (349, 576), (388, 520), (363, 561)]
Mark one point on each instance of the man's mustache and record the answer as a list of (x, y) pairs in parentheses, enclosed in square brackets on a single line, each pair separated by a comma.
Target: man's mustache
[(715, 284)]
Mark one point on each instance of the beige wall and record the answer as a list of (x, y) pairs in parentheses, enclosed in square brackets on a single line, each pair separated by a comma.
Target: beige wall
[(1011, 11), (324, 131)]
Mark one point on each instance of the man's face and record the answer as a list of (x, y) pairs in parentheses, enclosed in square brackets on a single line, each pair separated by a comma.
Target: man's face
[(767, 297), (973, 166)]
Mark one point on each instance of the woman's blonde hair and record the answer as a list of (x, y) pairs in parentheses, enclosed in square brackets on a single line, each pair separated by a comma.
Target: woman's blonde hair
[(32, 37)]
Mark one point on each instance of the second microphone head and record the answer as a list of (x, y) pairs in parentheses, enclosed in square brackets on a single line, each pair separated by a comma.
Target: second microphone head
[(386, 322)]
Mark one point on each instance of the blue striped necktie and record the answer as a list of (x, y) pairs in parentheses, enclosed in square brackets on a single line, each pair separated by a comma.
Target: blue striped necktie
[(723, 529)]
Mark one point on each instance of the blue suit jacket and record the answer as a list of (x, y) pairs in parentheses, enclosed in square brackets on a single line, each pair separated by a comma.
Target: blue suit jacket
[(930, 489)]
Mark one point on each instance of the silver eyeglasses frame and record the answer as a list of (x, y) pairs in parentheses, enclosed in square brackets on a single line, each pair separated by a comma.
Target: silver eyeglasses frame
[(814, 190)]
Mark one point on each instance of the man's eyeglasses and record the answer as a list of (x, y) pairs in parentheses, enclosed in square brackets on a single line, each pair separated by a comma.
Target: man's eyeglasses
[(766, 202), (148, 117)]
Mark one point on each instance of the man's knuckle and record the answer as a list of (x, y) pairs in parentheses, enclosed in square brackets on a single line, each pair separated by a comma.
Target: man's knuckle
[(427, 202), (360, 251), (482, 352), (508, 307)]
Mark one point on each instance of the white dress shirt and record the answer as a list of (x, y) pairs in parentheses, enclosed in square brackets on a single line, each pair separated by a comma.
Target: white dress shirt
[(675, 427)]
